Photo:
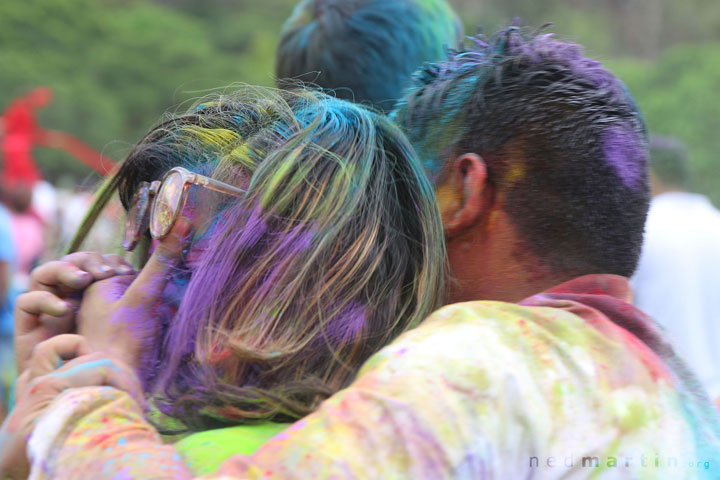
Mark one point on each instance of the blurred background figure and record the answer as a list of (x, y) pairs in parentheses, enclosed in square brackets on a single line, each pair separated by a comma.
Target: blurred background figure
[(677, 280), (364, 51), (7, 267), (27, 228), (19, 134), (19, 176)]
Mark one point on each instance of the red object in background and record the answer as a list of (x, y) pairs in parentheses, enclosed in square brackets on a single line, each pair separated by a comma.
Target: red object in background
[(20, 133), (19, 129)]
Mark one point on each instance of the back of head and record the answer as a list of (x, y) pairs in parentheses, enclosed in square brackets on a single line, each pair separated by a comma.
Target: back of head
[(364, 50), (669, 162), (564, 144), (335, 249)]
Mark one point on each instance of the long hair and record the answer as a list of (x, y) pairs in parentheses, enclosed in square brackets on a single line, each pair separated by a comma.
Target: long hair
[(335, 250)]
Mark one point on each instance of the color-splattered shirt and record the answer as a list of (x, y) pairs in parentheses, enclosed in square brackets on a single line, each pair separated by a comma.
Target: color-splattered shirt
[(572, 383)]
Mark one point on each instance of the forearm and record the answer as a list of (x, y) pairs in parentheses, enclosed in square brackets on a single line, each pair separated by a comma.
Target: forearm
[(99, 432)]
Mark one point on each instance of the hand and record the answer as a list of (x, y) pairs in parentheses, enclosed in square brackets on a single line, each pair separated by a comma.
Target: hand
[(48, 309), (41, 383), (120, 315)]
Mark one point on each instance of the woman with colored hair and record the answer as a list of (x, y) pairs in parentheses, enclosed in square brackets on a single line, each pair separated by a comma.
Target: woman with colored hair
[(295, 235)]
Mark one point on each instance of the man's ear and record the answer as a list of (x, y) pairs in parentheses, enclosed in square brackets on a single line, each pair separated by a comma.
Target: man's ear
[(469, 178)]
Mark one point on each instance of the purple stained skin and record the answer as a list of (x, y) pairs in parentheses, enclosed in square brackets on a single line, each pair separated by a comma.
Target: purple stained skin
[(626, 155)]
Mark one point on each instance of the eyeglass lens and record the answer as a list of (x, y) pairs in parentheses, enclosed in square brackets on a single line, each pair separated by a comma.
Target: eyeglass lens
[(137, 216), (166, 205)]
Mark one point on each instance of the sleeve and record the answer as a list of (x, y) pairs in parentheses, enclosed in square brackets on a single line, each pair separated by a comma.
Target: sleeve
[(99, 433), (425, 407)]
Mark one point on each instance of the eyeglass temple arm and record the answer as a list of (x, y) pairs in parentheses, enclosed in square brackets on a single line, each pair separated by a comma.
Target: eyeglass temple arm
[(217, 186)]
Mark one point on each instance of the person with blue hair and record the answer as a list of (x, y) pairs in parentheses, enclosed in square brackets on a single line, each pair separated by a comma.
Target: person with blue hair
[(364, 50)]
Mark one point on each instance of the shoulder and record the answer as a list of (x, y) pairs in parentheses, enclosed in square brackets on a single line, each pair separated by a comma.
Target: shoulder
[(472, 341)]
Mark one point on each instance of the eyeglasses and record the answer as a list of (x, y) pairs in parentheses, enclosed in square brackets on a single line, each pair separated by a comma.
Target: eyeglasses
[(158, 205)]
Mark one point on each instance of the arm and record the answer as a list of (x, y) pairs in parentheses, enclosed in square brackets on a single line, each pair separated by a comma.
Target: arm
[(98, 432), (425, 407)]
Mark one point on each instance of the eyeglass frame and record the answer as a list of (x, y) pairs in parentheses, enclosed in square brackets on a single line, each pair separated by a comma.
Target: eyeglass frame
[(154, 188)]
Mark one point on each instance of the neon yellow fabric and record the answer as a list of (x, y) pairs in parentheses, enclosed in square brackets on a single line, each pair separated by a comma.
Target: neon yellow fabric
[(204, 452)]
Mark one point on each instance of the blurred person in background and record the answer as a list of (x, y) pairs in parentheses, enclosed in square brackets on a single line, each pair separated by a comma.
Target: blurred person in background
[(364, 50), (7, 294), (677, 280), (20, 134), (28, 229)]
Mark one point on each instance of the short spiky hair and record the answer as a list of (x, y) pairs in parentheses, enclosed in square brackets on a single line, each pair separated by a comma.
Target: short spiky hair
[(364, 50), (564, 143)]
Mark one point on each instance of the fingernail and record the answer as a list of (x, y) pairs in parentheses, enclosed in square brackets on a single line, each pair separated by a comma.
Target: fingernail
[(125, 269), (105, 269), (62, 305)]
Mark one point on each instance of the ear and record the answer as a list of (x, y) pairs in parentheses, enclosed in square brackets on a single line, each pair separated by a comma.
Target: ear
[(469, 178)]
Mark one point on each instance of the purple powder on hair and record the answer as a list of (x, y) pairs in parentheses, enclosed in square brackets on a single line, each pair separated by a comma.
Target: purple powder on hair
[(348, 323), (627, 154), (546, 46), (297, 241), (254, 229)]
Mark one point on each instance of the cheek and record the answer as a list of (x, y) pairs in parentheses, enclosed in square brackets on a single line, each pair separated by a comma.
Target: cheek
[(194, 254), (174, 290)]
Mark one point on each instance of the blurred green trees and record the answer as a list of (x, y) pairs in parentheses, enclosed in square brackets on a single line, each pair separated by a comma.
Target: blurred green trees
[(678, 95), (116, 65), (666, 51)]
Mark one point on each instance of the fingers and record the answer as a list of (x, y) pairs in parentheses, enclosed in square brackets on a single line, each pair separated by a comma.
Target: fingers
[(96, 369), (30, 306), (47, 356), (38, 316), (76, 271), (151, 280), (119, 264), (99, 266), (52, 275)]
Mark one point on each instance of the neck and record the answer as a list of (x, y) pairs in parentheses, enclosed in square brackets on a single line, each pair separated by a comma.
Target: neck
[(497, 265), (511, 282)]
